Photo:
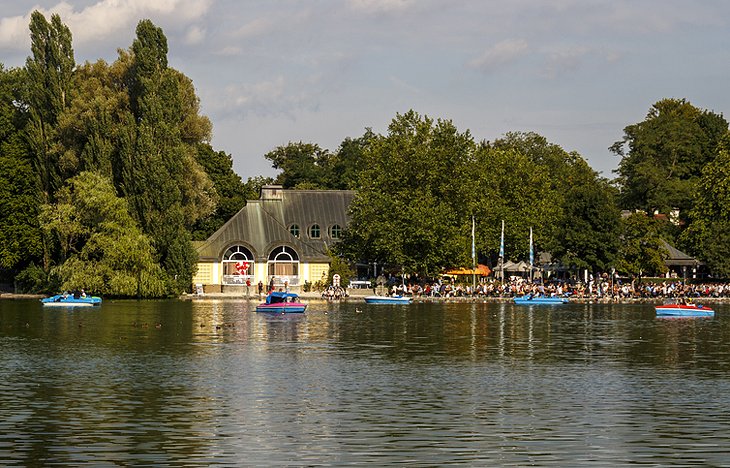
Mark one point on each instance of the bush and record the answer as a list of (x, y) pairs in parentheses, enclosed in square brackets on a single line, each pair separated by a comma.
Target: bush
[(35, 280)]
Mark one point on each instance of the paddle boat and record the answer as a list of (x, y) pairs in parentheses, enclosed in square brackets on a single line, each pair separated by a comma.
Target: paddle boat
[(282, 302), (388, 300), (683, 310), (71, 300), (529, 299)]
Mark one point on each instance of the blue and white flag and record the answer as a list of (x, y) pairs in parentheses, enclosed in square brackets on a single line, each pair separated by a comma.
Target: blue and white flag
[(473, 246), (501, 243), (532, 254)]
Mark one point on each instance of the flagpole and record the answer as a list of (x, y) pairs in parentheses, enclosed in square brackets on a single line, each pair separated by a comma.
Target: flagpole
[(473, 256), (532, 255), (501, 251)]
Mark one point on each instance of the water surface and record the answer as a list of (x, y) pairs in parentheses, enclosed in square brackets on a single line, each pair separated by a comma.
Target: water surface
[(200, 383)]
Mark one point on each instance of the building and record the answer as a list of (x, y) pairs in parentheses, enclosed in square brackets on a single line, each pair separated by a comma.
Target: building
[(282, 237)]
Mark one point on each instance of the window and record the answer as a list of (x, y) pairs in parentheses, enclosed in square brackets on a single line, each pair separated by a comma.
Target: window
[(335, 231), (294, 230), (283, 266), (314, 231), (238, 265)]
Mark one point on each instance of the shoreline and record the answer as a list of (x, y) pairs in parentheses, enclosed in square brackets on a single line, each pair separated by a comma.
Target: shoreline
[(359, 295)]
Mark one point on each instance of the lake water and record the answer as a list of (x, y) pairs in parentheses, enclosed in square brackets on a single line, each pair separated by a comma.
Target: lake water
[(200, 383)]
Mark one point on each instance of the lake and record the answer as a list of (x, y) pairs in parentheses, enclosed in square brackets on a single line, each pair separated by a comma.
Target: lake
[(211, 382)]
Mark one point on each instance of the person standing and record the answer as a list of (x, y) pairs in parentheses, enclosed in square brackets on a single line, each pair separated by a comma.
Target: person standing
[(261, 288)]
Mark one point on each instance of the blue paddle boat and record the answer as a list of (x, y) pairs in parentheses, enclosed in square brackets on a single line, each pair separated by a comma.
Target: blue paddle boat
[(71, 300), (529, 299), (388, 300)]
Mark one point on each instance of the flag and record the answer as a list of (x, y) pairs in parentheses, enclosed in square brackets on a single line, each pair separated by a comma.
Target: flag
[(473, 246), (532, 254), (501, 243)]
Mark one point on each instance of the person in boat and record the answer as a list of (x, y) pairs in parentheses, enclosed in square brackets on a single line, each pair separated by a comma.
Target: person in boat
[(83, 293)]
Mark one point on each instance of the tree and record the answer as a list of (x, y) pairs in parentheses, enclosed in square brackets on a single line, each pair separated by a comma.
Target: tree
[(662, 156), (641, 252), (344, 167), (510, 186), (412, 209), (589, 230), (157, 171), (107, 252), (49, 73), (230, 190), (708, 233), (20, 239), (301, 164)]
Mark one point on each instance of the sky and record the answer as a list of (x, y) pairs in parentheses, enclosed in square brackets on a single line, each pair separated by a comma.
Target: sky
[(271, 72)]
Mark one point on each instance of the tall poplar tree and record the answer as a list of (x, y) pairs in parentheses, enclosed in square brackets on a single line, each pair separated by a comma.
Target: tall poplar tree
[(50, 70), (20, 240), (165, 186)]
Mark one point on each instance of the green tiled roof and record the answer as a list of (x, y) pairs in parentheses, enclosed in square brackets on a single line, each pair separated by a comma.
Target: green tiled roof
[(264, 224)]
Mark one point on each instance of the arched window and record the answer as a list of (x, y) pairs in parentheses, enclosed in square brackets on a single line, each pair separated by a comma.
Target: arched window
[(335, 231), (294, 230), (238, 265), (314, 231), (283, 266)]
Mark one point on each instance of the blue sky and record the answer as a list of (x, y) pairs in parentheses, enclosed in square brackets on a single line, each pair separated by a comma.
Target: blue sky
[(270, 72)]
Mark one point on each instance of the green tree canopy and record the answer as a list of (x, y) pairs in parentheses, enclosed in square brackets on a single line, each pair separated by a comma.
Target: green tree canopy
[(49, 76), (107, 252), (302, 165), (641, 252), (662, 157), (708, 233), (412, 208), (20, 239), (231, 192)]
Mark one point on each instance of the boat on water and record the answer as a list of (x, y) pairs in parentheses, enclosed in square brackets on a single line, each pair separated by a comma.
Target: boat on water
[(388, 300), (282, 302), (71, 300), (683, 310), (529, 299)]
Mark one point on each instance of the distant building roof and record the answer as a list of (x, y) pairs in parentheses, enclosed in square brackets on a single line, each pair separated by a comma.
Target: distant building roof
[(265, 223), (676, 257)]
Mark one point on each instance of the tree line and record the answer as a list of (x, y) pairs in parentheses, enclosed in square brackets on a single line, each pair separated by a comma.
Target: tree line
[(419, 185), (107, 170), (108, 177)]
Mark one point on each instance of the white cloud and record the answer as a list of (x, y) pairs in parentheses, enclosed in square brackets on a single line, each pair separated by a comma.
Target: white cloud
[(559, 62), (257, 27), (229, 51), (104, 19), (381, 6), (275, 97), (195, 35), (500, 55)]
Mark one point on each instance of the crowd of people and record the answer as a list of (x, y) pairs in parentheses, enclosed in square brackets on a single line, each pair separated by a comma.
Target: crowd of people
[(601, 288)]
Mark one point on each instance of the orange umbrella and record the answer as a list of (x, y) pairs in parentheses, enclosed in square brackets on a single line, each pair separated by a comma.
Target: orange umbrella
[(481, 270)]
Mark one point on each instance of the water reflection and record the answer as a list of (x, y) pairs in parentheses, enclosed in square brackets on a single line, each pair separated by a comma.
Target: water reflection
[(213, 382)]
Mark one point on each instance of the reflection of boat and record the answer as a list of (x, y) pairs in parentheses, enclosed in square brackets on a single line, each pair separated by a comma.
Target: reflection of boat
[(528, 299), (70, 300), (684, 310), (388, 300), (279, 301)]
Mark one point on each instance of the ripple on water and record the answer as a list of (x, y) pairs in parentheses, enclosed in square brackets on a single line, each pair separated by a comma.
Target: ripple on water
[(350, 384)]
